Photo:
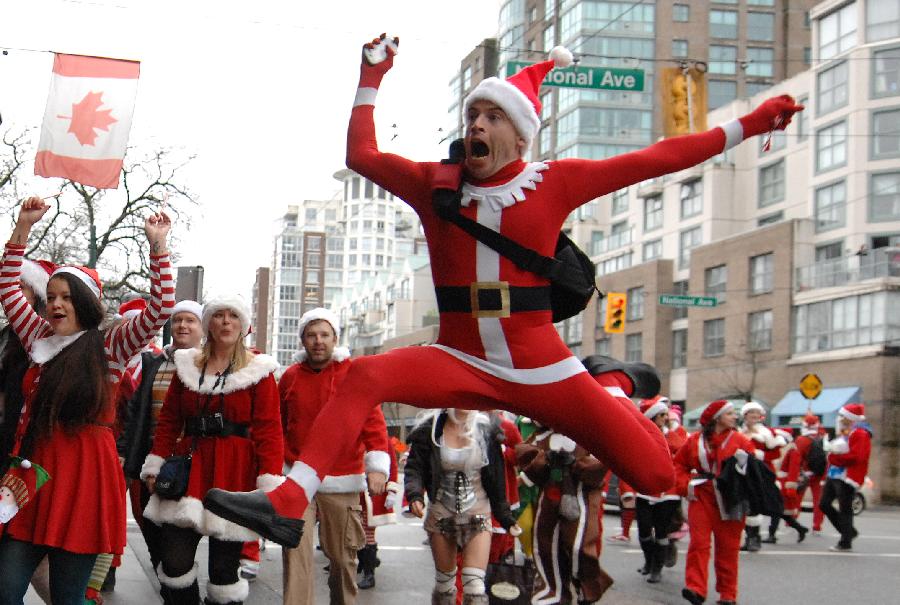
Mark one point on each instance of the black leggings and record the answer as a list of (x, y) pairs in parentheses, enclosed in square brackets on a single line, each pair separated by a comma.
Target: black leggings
[(654, 520), (842, 519), (179, 549)]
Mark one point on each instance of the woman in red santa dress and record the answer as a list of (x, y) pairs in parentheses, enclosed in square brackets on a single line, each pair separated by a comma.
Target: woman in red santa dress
[(225, 401), (697, 464), (789, 477), (65, 422)]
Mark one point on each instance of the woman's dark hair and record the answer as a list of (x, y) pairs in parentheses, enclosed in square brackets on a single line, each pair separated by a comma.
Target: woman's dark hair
[(13, 364), (709, 429), (74, 385)]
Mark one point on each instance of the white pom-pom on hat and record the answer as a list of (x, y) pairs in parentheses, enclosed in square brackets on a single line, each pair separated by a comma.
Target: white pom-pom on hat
[(561, 56), (26, 464)]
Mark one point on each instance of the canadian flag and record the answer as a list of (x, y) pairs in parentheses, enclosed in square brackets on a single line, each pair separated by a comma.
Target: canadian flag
[(87, 120)]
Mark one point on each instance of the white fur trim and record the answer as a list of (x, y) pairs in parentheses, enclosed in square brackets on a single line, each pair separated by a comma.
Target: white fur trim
[(850, 415), (561, 56), (152, 465), (320, 314), (44, 349), (343, 484), (750, 406), (339, 354), (83, 277), (234, 303), (509, 193), (386, 518), (378, 462), (734, 133), (555, 372), (179, 582), (259, 367), (616, 392), (189, 512), (267, 482), (188, 306), (511, 100), (365, 96), (762, 434), (657, 408), (305, 476), (228, 593), (34, 276), (525, 479), (130, 313)]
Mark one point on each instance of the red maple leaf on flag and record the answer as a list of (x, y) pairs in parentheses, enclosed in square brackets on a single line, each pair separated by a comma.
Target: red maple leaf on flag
[(86, 116)]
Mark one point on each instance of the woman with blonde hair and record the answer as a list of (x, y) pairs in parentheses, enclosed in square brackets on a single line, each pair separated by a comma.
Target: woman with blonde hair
[(224, 400)]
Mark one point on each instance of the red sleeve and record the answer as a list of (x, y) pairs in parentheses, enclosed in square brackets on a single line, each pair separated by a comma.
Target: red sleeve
[(284, 389), (860, 445), (171, 421), (374, 438), (266, 427)]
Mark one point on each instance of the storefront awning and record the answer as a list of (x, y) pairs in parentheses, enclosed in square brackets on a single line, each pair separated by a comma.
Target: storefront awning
[(793, 406)]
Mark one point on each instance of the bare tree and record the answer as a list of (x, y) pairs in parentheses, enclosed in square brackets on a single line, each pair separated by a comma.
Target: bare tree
[(739, 378)]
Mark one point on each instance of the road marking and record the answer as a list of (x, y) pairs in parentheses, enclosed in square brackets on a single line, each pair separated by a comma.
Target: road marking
[(825, 553)]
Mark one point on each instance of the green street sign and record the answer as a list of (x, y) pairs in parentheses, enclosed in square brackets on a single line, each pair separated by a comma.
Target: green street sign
[(678, 300), (598, 78)]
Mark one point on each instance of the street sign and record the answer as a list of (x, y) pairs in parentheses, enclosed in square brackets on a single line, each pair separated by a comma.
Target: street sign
[(810, 386), (598, 78), (679, 300)]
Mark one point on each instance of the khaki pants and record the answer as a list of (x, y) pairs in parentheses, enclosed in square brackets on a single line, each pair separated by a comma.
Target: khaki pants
[(341, 535)]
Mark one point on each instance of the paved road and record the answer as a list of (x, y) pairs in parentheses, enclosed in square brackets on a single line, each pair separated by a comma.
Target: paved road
[(783, 573)]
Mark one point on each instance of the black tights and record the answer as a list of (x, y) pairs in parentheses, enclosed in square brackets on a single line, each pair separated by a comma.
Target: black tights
[(179, 550), (654, 520), (842, 517)]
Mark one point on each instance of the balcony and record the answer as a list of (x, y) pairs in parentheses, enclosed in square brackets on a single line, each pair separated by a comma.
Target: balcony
[(615, 241), (878, 263)]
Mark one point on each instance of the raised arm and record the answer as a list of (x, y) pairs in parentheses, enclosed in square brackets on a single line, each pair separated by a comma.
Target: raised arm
[(25, 322), (129, 337), (593, 178), (404, 178)]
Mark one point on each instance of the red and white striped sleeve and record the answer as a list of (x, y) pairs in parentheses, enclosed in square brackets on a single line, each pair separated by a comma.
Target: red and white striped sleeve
[(27, 324), (129, 337)]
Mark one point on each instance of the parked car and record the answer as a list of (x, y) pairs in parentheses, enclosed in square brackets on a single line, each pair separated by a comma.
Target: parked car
[(860, 499)]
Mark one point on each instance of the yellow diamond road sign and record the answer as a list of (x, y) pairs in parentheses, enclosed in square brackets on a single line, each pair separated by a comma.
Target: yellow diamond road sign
[(811, 386)]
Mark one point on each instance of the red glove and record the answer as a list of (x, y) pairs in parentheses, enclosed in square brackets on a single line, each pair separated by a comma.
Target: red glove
[(370, 75), (773, 114)]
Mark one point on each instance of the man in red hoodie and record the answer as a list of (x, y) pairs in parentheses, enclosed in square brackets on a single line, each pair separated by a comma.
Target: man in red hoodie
[(305, 387)]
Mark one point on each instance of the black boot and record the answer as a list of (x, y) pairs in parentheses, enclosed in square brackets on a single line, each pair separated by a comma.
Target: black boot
[(183, 596), (254, 511), (770, 539), (643, 377), (801, 530), (368, 561), (647, 547), (752, 543), (692, 597), (659, 557), (671, 554)]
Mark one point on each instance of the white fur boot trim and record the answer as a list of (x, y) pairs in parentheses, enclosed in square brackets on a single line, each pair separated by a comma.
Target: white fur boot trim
[(179, 582), (229, 593)]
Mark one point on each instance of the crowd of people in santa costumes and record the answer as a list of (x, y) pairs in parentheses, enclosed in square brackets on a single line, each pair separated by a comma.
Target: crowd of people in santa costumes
[(63, 448)]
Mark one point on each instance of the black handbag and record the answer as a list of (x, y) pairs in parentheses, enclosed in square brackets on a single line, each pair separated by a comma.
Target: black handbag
[(508, 583), (172, 480)]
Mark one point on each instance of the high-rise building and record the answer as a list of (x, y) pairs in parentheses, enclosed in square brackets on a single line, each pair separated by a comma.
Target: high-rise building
[(259, 311)]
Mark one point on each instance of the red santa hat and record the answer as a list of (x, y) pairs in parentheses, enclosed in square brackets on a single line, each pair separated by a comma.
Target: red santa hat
[(188, 306), (854, 412), (714, 410), (810, 425), (234, 303), (320, 314), (35, 275), (655, 405), (132, 308), (518, 96), (85, 275)]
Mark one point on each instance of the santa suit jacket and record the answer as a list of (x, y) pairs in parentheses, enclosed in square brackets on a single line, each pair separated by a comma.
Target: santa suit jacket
[(768, 444), (303, 393), (853, 465)]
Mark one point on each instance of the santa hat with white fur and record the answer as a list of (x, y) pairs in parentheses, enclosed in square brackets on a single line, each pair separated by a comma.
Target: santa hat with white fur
[(132, 308), (89, 277), (35, 274), (188, 306), (854, 412), (234, 303), (654, 406), (518, 96), (321, 314), (751, 406)]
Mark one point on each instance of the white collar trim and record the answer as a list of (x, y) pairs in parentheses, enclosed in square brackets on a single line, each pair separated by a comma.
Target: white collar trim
[(339, 354), (259, 367), (507, 194), (45, 349)]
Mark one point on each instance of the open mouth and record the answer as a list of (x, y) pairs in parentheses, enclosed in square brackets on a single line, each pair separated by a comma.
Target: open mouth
[(58, 316), (479, 149)]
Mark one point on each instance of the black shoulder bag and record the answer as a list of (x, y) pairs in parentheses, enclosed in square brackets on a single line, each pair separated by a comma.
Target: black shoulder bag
[(571, 272)]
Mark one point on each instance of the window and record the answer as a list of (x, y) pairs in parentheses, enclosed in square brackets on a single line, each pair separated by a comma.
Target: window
[(802, 120), (771, 184), (635, 308), (761, 2), (714, 337), (837, 32), (634, 344), (751, 89), (310, 215), (770, 219), (369, 190), (288, 293), (830, 251), (831, 146), (404, 289), (722, 59), (653, 213), (616, 263), (884, 197), (549, 34), (886, 72), (467, 79), (596, 242), (601, 346), (290, 259), (761, 26), (762, 273), (761, 62), (681, 13), (619, 202), (717, 282), (831, 207), (759, 331), (886, 134), (312, 277), (721, 92), (354, 187), (680, 288), (314, 260), (882, 20), (846, 322), (723, 24), (679, 349), (619, 235), (832, 88), (688, 239), (679, 48), (691, 198), (652, 250)]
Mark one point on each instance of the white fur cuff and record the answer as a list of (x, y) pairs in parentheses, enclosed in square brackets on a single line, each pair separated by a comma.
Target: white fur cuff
[(152, 464), (378, 462), (267, 482), (228, 593), (734, 133), (365, 96), (179, 582)]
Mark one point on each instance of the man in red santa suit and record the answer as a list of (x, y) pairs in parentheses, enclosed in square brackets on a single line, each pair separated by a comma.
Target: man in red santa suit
[(811, 431), (768, 449), (789, 478), (305, 388), (497, 346)]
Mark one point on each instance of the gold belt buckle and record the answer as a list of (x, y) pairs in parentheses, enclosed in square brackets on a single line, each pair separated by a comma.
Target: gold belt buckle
[(501, 286)]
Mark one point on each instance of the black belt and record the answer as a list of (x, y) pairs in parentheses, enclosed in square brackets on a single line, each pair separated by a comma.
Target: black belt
[(492, 299), (214, 425)]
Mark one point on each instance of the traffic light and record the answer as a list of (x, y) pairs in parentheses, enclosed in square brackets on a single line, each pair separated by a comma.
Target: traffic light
[(615, 312), (683, 100)]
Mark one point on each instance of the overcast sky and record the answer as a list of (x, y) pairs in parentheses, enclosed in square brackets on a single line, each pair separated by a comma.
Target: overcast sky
[(260, 91)]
